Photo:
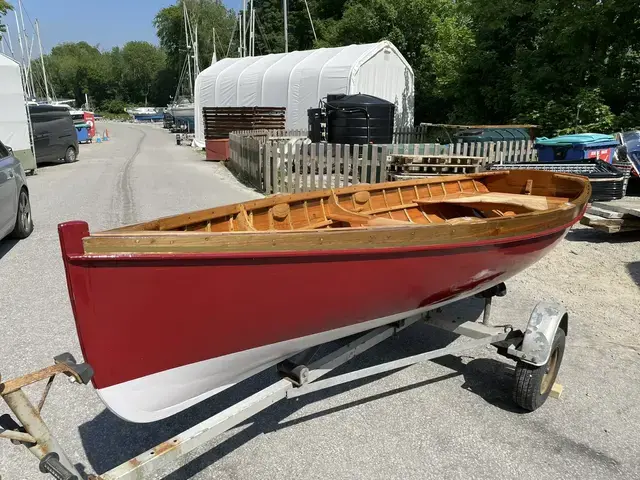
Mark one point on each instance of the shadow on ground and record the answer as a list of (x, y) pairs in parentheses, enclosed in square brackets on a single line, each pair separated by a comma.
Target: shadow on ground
[(634, 271), (6, 245), (592, 235), (108, 441)]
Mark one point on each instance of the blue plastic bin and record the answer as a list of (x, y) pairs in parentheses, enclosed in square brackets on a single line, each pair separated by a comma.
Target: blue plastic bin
[(579, 146), (82, 131)]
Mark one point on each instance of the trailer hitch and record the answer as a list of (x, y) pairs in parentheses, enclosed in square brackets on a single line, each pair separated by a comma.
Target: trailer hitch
[(51, 464), (32, 432)]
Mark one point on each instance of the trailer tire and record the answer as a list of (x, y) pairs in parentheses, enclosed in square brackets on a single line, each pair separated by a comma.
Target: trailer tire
[(534, 383)]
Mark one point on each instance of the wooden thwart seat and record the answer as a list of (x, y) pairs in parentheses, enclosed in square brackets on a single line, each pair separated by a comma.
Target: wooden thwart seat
[(497, 200), (358, 220)]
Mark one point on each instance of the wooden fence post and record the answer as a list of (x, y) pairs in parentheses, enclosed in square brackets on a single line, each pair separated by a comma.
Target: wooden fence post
[(321, 164), (383, 164), (305, 166), (347, 165)]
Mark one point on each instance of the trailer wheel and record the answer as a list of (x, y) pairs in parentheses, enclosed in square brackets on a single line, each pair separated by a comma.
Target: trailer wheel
[(534, 383)]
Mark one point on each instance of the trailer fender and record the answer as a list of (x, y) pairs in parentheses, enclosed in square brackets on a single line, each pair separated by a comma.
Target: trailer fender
[(545, 320)]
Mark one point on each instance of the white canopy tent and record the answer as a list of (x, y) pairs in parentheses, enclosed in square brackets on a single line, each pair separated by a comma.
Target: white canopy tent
[(14, 123), (300, 79)]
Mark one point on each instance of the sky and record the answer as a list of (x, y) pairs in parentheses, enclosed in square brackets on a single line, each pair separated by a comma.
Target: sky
[(105, 23)]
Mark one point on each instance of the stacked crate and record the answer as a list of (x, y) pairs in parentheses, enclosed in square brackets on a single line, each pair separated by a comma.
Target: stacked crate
[(219, 122), (403, 167)]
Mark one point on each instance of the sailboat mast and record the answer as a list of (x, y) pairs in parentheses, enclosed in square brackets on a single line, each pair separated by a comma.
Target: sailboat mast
[(214, 57), (243, 29), (196, 53), (186, 37), (44, 70), (286, 27), (33, 86), (9, 40), (252, 30), (23, 72), (313, 29), (28, 72)]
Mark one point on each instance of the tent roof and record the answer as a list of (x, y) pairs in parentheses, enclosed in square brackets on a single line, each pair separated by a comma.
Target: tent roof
[(298, 80)]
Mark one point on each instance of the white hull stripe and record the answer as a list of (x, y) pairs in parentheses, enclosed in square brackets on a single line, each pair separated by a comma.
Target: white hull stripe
[(165, 393)]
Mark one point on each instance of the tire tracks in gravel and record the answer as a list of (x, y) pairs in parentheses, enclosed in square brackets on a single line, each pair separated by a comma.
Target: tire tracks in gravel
[(123, 205)]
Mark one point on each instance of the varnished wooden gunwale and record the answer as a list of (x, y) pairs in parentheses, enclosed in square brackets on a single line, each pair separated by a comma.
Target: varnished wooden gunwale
[(177, 221), (403, 233)]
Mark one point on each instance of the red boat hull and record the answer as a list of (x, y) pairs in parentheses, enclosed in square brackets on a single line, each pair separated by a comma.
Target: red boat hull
[(138, 315)]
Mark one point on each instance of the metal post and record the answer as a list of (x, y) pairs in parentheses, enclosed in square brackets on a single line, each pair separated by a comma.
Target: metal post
[(487, 311), (27, 414), (286, 28)]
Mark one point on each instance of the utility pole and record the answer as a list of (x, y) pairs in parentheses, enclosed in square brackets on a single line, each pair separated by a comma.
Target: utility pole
[(286, 28), (44, 70)]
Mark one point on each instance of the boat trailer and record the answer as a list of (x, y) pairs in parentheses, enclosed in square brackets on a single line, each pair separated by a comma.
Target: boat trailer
[(538, 352)]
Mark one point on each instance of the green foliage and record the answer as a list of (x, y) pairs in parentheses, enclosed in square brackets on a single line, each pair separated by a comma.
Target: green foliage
[(113, 106), (566, 66), (170, 27), (131, 74), (4, 8)]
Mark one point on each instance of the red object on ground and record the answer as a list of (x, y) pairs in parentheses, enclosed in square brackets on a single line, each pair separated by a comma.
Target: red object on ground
[(90, 120), (218, 150)]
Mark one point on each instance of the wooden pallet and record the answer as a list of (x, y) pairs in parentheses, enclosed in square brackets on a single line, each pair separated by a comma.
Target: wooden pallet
[(219, 122), (613, 217), (436, 159), (434, 164), (435, 169)]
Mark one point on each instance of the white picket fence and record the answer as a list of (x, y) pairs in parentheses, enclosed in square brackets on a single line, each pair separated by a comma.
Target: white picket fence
[(505, 152), (287, 161)]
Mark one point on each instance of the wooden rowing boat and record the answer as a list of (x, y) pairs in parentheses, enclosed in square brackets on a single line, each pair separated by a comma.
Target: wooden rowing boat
[(171, 311)]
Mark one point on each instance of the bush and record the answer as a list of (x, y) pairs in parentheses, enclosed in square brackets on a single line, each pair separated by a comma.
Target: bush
[(113, 106)]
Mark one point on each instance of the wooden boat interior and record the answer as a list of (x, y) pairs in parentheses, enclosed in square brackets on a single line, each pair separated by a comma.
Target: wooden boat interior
[(435, 200)]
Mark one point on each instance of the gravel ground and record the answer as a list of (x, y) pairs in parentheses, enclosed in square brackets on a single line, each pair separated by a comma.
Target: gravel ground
[(447, 419)]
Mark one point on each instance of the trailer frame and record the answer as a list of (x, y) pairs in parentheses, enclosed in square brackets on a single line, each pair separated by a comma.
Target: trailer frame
[(532, 349)]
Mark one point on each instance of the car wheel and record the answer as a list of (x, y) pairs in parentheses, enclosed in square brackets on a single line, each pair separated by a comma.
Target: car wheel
[(70, 155), (24, 221)]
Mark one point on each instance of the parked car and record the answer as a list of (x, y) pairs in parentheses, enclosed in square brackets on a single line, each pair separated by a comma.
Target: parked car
[(54, 134), (15, 208)]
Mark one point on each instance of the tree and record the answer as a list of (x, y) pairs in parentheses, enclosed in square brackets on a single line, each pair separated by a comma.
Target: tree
[(141, 64), (170, 28), (563, 65), (4, 8), (433, 35)]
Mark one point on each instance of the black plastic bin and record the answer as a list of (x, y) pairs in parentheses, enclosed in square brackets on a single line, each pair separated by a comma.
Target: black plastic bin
[(607, 182)]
